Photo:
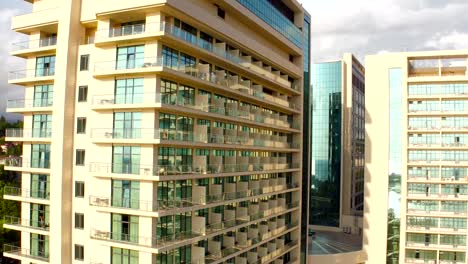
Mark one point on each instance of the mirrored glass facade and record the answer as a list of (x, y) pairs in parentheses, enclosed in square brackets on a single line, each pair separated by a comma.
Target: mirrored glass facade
[(326, 138), (394, 164), (272, 16)]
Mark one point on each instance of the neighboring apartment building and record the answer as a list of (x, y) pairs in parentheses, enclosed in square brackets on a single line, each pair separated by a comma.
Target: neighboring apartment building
[(337, 155), (160, 131), (416, 157)]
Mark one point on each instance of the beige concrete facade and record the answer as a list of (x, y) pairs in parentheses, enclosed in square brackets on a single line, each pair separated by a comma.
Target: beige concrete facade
[(157, 132), (415, 175)]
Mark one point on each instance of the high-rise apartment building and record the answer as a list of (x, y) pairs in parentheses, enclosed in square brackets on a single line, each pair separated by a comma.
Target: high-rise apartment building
[(337, 154), (416, 157), (160, 131)]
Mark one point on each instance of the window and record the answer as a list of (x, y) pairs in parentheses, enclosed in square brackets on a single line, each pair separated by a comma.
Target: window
[(83, 93), (79, 221), (125, 227), (40, 186), (221, 12), (39, 245), (120, 255), (43, 95), (42, 126), (126, 159), (84, 63), (79, 252), (40, 156), (129, 91), (81, 125), (125, 194), (39, 214), (130, 57), (45, 66), (79, 189), (80, 157), (127, 125)]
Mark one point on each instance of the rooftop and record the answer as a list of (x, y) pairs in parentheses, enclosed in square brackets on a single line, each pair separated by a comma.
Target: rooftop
[(327, 242)]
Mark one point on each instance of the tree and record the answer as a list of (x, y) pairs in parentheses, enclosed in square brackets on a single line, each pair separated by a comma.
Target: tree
[(8, 208)]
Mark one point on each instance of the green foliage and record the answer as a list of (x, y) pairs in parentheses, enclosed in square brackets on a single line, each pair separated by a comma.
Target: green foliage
[(4, 124), (7, 208)]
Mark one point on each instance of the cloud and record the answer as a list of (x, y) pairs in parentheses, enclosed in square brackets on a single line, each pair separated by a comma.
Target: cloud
[(368, 27), (454, 40), (9, 63)]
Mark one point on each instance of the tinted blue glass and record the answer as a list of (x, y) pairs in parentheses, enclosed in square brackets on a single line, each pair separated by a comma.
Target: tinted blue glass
[(306, 141), (326, 144), (268, 13), (394, 164)]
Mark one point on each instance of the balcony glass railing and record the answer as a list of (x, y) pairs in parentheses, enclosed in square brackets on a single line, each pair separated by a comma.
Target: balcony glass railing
[(34, 44), (126, 30), (116, 133), (25, 193), (28, 133), (178, 237), (128, 65), (232, 57), (260, 117), (21, 103), (166, 205), (126, 99), (150, 133), (155, 242), (17, 221), (169, 170), (31, 73), (23, 163), (33, 253), (212, 77), (190, 38)]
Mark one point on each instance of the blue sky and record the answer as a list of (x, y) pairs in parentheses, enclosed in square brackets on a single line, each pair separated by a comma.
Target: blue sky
[(359, 26)]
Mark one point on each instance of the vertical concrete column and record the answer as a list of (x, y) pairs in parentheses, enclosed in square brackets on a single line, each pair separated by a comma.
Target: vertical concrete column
[(63, 127)]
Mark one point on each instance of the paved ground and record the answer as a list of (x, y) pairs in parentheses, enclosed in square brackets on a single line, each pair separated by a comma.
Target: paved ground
[(333, 243)]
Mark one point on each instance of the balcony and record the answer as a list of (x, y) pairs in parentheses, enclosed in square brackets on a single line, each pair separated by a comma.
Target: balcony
[(201, 73), (45, 20), (28, 135), (234, 112), (422, 245), (277, 253), (25, 195), (136, 135), (152, 242), (20, 164), (26, 254), (135, 101), (30, 77), (123, 67), (20, 224), (182, 238), (30, 48), (420, 261), (22, 105), (236, 248), (150, 30), (160, 172), (256, 68), (127, 33), (225, 137), (203, 200)]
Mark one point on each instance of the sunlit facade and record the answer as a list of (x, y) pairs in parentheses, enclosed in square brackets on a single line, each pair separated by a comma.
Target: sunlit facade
[(416, 158), (160, 132)]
